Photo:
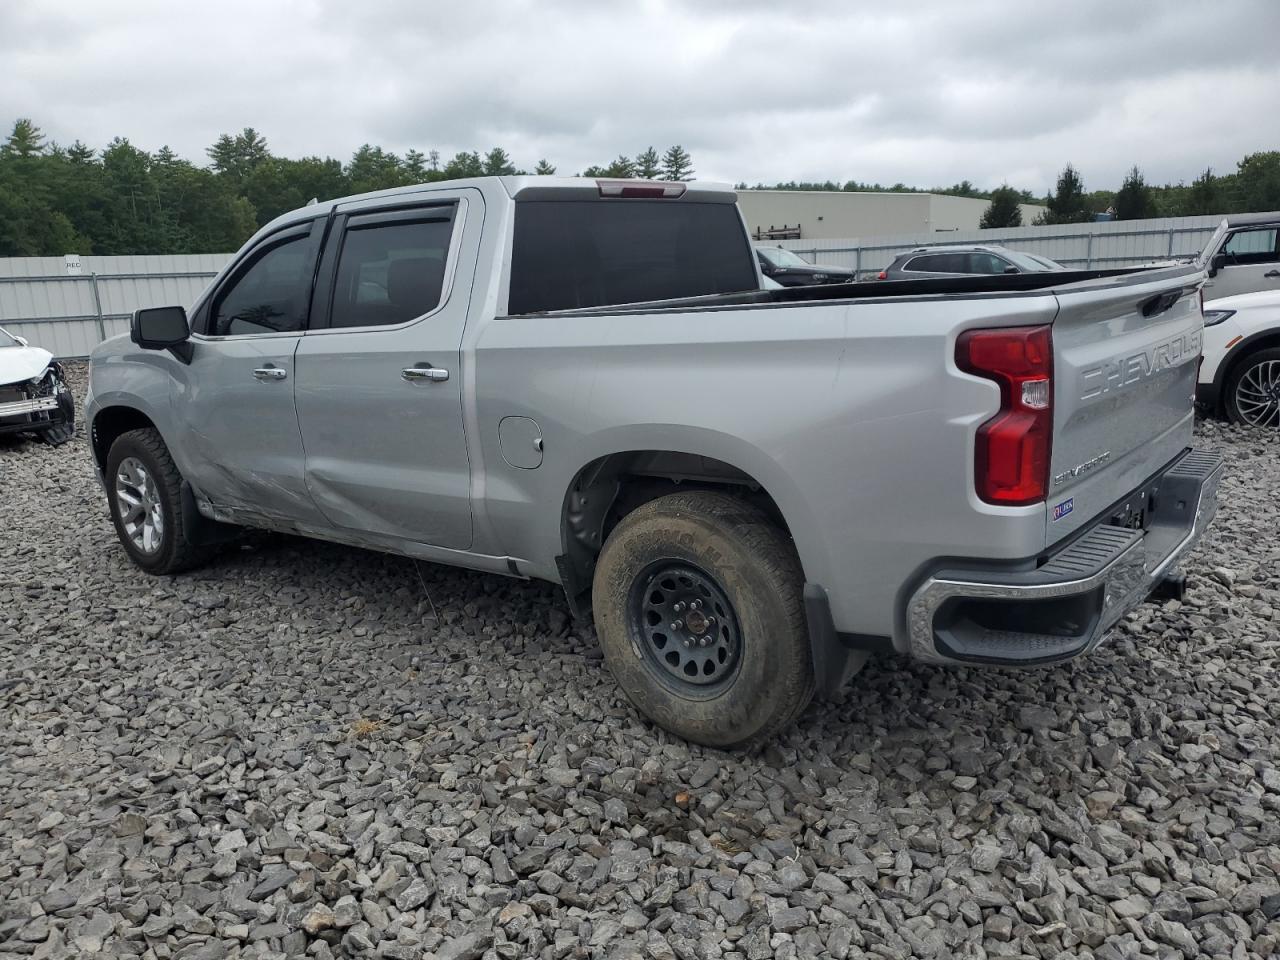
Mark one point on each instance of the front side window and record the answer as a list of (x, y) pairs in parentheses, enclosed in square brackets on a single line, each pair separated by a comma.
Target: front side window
[(390, 273), (1251, 246), (270, 296), (982, 262)]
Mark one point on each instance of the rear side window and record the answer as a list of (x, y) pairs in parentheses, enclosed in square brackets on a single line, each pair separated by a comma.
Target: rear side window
[(389, 273), (938, 263), (569, 254)]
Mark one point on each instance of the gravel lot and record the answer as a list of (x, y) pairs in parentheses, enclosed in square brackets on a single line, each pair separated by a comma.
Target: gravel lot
[(310, 749)]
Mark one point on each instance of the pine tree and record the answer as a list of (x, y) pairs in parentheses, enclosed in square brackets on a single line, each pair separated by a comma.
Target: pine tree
[(544, 169), (1003, 211), (677, 164), (1204, 196), (1133, 200), (26, 140), (648, 165), (79, 153), (237, 156), (464, 165), (620, 169), (1067, 204), (498, 164), (415, 165)]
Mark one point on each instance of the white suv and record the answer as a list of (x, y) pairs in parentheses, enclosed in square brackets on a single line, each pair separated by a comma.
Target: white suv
[(1240, 375)]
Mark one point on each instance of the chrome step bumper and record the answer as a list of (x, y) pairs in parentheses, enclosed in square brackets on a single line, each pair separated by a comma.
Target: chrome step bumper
[(1064, 606)]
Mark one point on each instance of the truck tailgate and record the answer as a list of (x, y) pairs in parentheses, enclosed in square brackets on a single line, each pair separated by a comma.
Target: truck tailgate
[(1125, 359)]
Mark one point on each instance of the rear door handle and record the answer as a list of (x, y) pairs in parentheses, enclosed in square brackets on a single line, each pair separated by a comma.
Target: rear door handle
[(270, 373), (1272, 274), (435, 374)]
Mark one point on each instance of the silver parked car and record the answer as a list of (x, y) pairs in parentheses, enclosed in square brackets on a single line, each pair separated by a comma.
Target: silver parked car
[(959, 261)]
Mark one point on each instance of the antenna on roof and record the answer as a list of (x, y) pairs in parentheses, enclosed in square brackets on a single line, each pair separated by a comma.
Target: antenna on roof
[(313, 201)]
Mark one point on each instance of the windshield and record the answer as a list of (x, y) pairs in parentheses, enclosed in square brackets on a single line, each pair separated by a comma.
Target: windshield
[(7, 339), (1035, 264), (782, 258)]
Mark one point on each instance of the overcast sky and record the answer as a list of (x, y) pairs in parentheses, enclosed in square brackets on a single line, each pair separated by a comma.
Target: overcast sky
[(931, 95)]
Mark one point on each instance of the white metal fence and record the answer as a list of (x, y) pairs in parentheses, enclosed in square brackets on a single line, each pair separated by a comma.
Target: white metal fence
[(69, 313), (1080, 245)]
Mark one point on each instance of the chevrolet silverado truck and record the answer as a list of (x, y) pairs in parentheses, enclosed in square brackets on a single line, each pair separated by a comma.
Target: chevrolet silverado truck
[(750, 490)]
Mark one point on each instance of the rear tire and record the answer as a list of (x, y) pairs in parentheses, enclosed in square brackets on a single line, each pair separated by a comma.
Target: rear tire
[(1252, 393), (740, 668), (144, 491)]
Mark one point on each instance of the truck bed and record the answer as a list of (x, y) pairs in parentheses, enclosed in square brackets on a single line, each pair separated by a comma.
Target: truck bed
[(1055, 282)]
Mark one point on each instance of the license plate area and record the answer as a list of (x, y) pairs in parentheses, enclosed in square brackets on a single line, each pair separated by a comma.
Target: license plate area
[(1136, 511)]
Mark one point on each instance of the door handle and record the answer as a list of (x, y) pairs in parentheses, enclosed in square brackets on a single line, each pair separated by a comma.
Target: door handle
[(1272, 274), (435, 374), (270, 373)]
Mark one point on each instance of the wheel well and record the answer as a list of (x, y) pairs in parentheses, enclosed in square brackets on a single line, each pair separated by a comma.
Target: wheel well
[(1242, 353), (609, 488), (110, 423)]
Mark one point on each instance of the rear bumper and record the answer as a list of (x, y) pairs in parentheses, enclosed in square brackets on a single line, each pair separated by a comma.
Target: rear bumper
[(1063, 605)]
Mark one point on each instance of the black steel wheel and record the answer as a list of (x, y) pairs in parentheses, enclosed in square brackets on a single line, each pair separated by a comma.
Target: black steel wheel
[(685, 623), (698, 606)]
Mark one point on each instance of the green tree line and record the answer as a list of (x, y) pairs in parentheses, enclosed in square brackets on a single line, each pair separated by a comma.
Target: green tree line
[(123, 200), (1253, 187)]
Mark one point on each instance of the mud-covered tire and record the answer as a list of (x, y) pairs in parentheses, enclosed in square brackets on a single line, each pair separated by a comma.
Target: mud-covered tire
[(723, 542), (174, 553), (1262, 367)]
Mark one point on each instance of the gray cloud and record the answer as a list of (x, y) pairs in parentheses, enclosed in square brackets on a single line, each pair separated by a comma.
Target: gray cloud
[(756, 91)]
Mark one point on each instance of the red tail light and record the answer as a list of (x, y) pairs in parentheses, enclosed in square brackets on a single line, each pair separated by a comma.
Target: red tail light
[(882, 275), (1012, 453)]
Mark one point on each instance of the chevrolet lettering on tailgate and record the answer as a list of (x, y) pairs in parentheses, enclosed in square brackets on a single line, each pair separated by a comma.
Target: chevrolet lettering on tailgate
[(1124, 371)]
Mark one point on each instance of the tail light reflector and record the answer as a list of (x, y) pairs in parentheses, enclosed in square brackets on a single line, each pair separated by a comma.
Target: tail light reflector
[(1011, 461), (882, 275)]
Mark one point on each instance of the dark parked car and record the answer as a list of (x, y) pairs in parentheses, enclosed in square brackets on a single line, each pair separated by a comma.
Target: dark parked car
[(792, 270), (958, 261)]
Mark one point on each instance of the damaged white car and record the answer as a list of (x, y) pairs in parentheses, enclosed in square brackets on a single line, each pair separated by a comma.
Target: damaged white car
[(34, 396)]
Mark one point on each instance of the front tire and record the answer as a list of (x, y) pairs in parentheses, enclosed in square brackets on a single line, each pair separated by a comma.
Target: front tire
[(698, 606), (1253, 390), (144, 491)]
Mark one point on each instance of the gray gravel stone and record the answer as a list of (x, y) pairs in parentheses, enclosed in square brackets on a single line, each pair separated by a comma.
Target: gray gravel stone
[(217, 763)]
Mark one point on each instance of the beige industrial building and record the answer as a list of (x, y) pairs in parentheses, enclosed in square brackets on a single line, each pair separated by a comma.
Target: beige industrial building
[(839, 214)]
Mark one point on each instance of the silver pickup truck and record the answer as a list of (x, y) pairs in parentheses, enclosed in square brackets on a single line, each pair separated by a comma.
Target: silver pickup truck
[(751, 490)]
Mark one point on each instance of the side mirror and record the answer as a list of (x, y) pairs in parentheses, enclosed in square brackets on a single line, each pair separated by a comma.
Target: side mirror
[(162, 328), (1011, 269), (23, 341), (1217, 263)]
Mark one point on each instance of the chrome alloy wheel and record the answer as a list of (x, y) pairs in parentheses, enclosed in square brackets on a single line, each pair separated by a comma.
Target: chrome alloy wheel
[(1258, 394), (138, 503)]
